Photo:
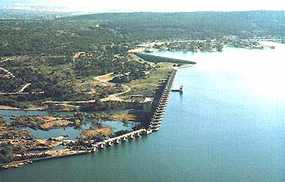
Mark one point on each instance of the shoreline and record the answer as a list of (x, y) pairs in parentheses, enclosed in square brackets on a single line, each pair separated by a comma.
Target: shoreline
[(4, 107), (7, 108), (157, 109)]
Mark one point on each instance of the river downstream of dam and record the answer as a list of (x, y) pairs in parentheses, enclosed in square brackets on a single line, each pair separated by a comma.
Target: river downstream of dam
[(227, 126)]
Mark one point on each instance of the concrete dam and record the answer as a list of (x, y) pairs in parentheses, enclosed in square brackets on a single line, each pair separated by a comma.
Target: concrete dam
[(155, 116)]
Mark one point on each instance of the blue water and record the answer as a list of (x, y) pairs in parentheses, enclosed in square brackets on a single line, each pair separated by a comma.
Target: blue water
[(228, 126), (71, 132)]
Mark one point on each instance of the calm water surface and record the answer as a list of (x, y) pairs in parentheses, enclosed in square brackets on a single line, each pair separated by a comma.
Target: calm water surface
[(228, 126), (70, 132)]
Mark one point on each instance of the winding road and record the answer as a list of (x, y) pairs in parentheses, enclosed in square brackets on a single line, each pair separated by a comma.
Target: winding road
[(24, 87), (104, 80), (7, 72)]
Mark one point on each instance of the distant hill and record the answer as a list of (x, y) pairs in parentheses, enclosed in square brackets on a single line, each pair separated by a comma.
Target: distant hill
[(30, 14), (193, 25), (66, 35)]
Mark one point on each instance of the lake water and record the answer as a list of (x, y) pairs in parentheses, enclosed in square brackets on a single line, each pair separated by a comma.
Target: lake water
[(70, 132), (228, 126)]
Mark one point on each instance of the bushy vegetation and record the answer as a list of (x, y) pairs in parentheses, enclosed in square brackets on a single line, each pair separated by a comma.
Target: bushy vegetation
[(89, 32), (42, 51), (62, 78), (6, 153), (196, 25)]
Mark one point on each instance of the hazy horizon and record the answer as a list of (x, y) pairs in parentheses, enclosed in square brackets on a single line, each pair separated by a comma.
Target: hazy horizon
[(142, 6)]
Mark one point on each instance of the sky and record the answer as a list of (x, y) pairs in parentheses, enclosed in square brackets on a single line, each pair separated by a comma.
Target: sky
[(144, 5)]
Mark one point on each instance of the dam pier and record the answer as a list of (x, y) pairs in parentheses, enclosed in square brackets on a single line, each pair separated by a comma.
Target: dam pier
[(160, 102), (155, 117)]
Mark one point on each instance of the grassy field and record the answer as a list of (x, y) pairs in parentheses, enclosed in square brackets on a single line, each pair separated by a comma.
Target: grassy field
[(147, 85)]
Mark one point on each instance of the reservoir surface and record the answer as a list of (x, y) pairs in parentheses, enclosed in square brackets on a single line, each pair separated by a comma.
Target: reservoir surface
[(227, 126)]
